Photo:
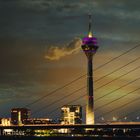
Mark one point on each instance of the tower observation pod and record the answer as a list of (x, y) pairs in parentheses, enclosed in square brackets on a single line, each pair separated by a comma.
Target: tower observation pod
[(89, 46)]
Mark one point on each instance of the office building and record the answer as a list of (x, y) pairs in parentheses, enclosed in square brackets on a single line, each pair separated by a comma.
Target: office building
[(19, 115), (71, 114)]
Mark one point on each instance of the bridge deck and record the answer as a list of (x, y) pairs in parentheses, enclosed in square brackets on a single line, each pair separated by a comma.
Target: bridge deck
[(58, 126)]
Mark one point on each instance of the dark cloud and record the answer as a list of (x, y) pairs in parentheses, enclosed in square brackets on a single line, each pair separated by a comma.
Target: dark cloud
[(44, 20)]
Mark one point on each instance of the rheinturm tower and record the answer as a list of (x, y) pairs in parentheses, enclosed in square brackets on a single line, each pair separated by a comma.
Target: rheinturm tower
[(89, 46)]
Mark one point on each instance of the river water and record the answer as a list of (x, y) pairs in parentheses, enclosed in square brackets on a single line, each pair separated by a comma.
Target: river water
[(67, 138)]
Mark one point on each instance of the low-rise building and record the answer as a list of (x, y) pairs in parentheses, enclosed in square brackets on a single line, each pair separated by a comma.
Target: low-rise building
[(5, 121), (35, 121)]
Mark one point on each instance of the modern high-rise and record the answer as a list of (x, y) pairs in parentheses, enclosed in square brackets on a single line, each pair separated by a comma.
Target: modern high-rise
[(71, 114), (89, 46), (19, 115)]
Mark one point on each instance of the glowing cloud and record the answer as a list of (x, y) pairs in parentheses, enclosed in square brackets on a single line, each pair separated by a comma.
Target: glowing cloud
[(55, 52)]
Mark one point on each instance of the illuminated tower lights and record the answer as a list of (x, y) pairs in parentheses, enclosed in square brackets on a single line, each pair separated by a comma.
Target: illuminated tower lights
[(89, 46)]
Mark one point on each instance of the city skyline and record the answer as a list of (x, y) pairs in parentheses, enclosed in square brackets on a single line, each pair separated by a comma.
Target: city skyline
[(39, 51)]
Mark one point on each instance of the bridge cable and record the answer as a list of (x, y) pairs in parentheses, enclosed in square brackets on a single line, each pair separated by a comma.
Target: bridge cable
[(95, 89)]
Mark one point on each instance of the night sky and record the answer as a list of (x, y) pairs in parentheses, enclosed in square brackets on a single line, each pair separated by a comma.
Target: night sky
[(40, 52)]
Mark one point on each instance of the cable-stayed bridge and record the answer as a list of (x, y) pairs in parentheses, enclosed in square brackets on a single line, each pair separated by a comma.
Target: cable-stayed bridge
[(82, 96), (100, 127)]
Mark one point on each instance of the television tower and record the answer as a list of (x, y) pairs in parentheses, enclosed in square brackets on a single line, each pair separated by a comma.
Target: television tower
[(89, 46)]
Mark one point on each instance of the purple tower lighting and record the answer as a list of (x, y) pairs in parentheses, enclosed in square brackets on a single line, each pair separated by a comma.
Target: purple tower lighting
[(89, 46)]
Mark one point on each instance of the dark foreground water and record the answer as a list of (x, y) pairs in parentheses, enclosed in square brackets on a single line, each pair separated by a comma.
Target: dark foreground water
[(67, 138)]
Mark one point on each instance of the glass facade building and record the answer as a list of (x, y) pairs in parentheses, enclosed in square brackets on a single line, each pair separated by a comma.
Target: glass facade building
[(71, 114)]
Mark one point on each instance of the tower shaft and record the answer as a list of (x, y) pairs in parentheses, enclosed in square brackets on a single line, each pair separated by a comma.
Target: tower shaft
[(90, 101), (90, 46)]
